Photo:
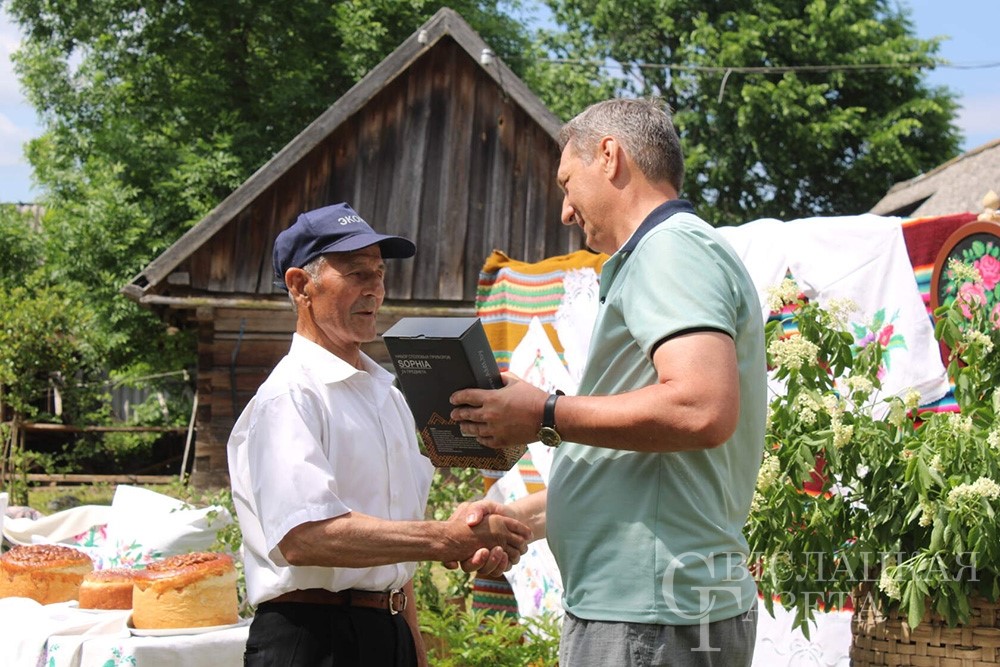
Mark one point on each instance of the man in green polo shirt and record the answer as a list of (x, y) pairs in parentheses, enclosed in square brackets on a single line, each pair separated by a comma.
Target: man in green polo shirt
[(656, 457)]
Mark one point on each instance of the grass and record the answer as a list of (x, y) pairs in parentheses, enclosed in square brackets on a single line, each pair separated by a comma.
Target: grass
[(51, 499)]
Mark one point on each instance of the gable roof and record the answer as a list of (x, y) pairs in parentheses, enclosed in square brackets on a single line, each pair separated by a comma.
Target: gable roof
[(446, 23), (957, 186)]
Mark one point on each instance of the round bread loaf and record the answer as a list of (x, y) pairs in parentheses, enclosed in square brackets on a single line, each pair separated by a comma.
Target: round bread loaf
[(186, 591), (46, 573), (107, 589)]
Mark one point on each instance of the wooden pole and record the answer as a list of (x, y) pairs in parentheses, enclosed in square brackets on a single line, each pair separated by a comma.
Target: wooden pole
[(190, 436)]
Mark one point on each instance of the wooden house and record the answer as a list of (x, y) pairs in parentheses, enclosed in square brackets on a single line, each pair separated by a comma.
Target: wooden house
[(440, 143)]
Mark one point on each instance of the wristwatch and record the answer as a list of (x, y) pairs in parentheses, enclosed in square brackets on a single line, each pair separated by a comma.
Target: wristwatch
[(547, 434)]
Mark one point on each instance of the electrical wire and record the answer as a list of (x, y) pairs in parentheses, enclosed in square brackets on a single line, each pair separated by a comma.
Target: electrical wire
[(775, 69)]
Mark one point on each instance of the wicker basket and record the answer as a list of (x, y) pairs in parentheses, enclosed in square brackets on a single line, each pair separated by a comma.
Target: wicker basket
[(887, 639)]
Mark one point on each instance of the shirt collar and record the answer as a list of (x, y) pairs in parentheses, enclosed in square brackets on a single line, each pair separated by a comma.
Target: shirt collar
[(329, 367)]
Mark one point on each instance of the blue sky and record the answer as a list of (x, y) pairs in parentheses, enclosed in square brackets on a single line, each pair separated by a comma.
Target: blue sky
[(969, 25)]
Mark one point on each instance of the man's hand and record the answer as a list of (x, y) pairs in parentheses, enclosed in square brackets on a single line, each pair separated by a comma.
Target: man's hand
[(500, 418), (486, 515)]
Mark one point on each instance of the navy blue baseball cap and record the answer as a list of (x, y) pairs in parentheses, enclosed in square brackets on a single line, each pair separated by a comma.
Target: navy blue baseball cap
[(335, 228)]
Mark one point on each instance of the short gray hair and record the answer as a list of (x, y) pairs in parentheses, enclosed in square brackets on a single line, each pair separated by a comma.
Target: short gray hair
[(312, 269), (643, 127)]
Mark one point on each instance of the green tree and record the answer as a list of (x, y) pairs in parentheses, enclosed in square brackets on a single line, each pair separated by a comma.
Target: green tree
[(46, 346), (20, 247), (786, 108)]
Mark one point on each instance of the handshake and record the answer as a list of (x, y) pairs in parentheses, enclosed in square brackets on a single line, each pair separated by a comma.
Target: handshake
[(489, 538)]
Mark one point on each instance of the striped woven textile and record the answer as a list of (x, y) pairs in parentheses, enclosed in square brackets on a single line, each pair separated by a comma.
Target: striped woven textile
[(494, 596), (509, 294)]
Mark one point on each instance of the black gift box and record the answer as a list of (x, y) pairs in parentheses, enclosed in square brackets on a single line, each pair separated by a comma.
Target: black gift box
[(434, 357)]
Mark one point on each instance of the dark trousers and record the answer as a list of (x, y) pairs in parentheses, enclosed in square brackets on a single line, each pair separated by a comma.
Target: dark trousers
[(294, 634)]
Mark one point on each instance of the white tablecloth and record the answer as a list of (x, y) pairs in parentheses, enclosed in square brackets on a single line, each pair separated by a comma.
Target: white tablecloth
[(60, 635), (778, 645)]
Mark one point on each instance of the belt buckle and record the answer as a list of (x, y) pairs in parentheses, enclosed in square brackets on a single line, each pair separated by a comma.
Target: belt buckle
[(396, 594)]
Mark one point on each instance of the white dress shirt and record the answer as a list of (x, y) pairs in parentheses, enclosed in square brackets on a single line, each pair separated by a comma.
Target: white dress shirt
[(320, 439)]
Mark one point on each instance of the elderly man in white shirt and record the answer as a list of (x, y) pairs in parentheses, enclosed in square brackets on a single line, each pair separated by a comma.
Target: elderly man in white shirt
[(328, 481)]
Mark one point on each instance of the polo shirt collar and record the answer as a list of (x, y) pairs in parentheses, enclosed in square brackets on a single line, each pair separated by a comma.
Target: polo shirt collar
[(655, 217)]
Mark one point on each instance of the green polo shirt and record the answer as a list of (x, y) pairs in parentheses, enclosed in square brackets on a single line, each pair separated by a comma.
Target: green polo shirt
[(657, 537)]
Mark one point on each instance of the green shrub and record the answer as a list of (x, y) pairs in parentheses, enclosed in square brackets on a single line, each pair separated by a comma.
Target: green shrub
[(458, 638)]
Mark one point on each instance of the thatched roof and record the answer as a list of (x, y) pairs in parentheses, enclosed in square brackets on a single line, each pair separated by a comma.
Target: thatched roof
[(957, 186)]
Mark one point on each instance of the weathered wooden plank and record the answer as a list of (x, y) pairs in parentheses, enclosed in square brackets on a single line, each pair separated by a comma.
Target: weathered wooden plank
[(392, 180), (498, 229), (247, 379), (252, 352), (403, 210), (435, 224), (223, 256), (235, 319), (267, 217), (519, 242), (253, 256), (370, 126), (456, 191), (316, 179), (477, 241), (225, 409), (285, 210), (211, 453), (239, 277)]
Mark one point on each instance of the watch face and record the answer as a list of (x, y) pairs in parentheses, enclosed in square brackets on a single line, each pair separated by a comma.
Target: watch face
[(549, 436)]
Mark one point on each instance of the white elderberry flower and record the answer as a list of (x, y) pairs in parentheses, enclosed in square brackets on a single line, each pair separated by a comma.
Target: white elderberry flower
[(975, 338), (897, 413), (993, 439), (794, 352), (842, 434), (984, 487), (963, 273), (839, 311), (782, 294), (960, 424), (807, 408), (858, 383), (833, 405), (888, 584), (927, 511), (770, 470)]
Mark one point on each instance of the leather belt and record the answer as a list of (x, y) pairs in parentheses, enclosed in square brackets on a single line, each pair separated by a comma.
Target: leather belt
[(394, 601)]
